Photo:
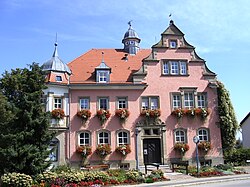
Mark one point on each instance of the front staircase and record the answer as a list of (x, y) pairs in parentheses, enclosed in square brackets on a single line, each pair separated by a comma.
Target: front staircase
[(165, 168)]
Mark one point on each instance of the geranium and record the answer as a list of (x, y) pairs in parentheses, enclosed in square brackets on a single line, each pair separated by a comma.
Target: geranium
[(58, 113), (122, 113), (203, 112), (123, 149), (103, 115), (178, 112), (204, 145), (103, 150), (183, 147), (84, 150), (153, 113), (84, 114)]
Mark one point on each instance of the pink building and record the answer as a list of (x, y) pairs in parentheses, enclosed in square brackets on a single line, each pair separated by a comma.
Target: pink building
[(168, 91)]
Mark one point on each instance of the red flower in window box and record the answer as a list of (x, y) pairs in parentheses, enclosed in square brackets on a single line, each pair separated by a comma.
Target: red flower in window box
[(84, 150), (84, 114), (58, 113), (103, 150), (203, 112), (178, 112), (122, 113), (153, 113), (103, 115), (204, 145), (123, 149), (182, 147)]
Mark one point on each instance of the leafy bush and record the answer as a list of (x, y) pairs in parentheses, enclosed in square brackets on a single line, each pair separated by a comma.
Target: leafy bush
[(237, 157), (132, 175), (17, 180), (46, 176)]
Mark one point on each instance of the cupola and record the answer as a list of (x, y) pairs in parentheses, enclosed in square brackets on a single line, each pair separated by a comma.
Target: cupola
[(131, 40)]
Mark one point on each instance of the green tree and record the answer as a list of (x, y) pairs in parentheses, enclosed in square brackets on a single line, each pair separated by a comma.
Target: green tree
[(25, 134), (228, 121)]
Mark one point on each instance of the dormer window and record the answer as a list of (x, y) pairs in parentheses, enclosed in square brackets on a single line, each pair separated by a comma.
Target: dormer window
[(102, 76), (173, 44), (58, 78)]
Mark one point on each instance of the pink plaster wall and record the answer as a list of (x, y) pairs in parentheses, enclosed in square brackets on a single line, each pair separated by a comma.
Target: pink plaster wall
[(157, 86)]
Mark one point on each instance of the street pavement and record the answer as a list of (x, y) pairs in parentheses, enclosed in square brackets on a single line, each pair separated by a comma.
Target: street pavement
[(178, 179)]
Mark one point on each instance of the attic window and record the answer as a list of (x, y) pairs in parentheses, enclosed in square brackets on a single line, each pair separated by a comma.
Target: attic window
[(58, 78), (173, 44)]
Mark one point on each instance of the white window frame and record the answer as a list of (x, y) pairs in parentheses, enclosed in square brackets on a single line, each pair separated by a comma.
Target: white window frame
[(173, 44), (103, 139), (180, 136), (201, 100), (84, 103), (174, 67), (58, 78), (103, 76), (203, 134), (183, 68), (83, 138), (166, 68), (176, 100), (188, 100), (58, 102), (122, 102), (121, 139), (150, 102), (106, 103)]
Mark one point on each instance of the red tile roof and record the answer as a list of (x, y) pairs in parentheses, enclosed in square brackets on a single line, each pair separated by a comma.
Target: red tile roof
[(83, 67)]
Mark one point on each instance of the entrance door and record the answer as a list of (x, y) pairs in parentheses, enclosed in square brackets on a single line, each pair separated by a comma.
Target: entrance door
[(152, 150)]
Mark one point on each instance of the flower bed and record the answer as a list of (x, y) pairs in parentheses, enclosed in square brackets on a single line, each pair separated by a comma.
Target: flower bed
[(122, 113), (152, 113), (202, 112), (182, 147), (204, 146)]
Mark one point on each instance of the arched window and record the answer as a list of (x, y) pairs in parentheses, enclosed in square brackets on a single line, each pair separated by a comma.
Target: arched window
[(180, 135), (84, 138), (203, 134), (123, 137), (103, 138)]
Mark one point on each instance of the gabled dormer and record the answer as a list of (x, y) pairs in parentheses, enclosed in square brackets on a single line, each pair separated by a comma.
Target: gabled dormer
[(172, 38), (102, 72)]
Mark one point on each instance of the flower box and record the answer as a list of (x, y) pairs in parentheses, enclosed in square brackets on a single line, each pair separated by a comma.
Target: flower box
[(84, 150), (84, 114), (182, 147), (123, 149), (103, 115), (122, 113), (103, 150), (204, 145), (152, 113), (58, 114)]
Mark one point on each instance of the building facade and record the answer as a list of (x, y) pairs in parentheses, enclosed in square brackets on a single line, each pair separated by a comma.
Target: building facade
[(146, 105)]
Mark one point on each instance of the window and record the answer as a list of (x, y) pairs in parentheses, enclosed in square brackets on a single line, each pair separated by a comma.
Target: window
[(150, 103), (173, 44), (174, 67), (183, 68), (84, 138), (203, 134), (180, 136), (53, 147), (57, 103), (202, 100), (176, 101), (103, 76), (123, 138), (122, 102), (103, 138), (188, 100), (58, 78), (84, 103), (103, 103)]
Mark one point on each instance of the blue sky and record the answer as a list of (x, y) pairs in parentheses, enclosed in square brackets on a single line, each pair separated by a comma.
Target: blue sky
[(220, 31)]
